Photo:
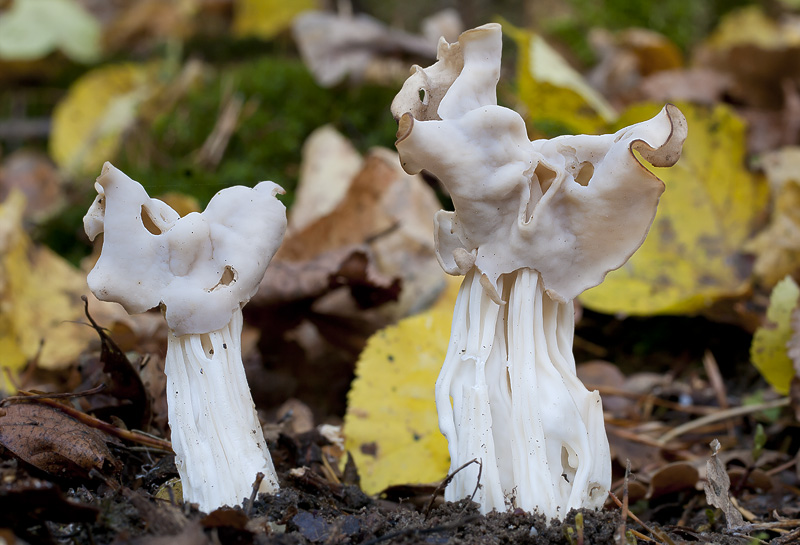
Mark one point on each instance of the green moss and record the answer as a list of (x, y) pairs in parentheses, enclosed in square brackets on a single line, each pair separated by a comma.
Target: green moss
[(685, 22), (285, 107)]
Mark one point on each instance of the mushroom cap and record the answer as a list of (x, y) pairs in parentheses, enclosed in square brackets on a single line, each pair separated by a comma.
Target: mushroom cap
[(573, 208), (201, 267)]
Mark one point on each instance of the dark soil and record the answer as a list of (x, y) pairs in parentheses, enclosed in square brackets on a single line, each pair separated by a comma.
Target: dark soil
[(138, 506)]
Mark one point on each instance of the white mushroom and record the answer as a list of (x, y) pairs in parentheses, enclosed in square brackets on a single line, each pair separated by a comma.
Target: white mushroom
[(201, 269), (535, 224)]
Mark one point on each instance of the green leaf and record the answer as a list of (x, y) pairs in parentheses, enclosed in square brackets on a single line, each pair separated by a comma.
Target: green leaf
[(768, 351)]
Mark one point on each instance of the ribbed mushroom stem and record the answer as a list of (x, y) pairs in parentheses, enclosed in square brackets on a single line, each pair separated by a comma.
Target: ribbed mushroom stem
[(517, 404), (217, 438)]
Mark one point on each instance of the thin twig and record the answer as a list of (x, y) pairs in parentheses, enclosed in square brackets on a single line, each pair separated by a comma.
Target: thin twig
[(254, 494), (448, 479), (794, 535), (636, 437), (783, 467), (96, 423), (30, 396), (720, 416), (665, 539), (621, 530), (652, 399), (718, 385)]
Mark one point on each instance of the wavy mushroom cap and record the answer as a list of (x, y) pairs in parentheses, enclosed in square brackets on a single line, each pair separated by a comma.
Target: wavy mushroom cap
[(201, 267)]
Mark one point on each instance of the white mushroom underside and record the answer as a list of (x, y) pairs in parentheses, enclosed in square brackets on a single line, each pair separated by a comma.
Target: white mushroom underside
[(217, 438), (508, 396)]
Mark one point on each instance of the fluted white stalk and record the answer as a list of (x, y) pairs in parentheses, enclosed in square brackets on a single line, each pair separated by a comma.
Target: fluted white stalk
[(517, 404), (217, 438)]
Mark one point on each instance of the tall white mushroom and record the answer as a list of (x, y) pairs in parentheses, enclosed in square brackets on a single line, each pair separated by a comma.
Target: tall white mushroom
[(201, 269), (535, 224)]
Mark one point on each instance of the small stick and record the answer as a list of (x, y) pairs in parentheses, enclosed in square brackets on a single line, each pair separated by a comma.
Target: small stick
[(715, 378), (650, 398), (794, 535), (621, 530), (93, 422), (636, 437), (254, 494), (477, 481), (640, 535), (449, 478), (29, 396), (783, 467), (660, 535), (721, 415)]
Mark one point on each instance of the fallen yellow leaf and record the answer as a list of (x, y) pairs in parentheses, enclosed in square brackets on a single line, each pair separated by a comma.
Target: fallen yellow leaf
[(391, 427), (39, 298), (89, 122), (266, 18), (777, 246), (556, 96), (750, 25), (691, 256), (768, 351)]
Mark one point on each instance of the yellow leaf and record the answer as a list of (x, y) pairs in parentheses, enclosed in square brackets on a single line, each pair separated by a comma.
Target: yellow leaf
[(89, 122), (32, 29), (751, 26), (768, 351), (266, 18), (777, 246), (556, 95), (391, 427), (39, 298), (691, 256)]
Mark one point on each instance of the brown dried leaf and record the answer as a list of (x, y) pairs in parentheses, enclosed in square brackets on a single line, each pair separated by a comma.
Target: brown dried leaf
[(288, 281), (125, 396), (37, 178), (756, 479), (627, 57), (599, 373), (390, 212), (672, 478), (337, 46), (51, 441), (698, 85), (623, 448), (330, 162), (717, 488)]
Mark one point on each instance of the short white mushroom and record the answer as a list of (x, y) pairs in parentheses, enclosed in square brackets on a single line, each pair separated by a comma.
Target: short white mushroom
[(535, 224), (201, 269)]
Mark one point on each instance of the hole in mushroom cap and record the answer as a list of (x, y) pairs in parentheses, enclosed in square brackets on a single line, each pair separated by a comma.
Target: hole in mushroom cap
[(229, 276), (148, 222), (596, 491), (423, 96), (585, 173), (545, 175)]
